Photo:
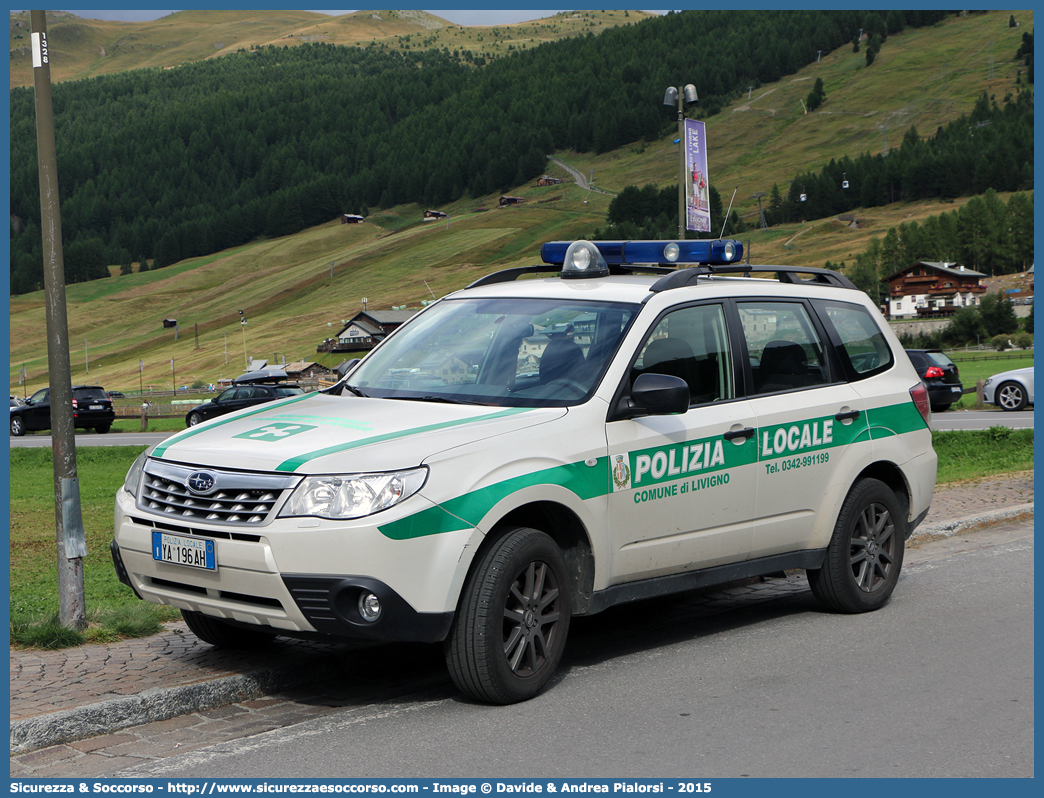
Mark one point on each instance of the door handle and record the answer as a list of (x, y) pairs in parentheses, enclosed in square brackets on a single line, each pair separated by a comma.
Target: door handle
[(746, 432), (850, 415)]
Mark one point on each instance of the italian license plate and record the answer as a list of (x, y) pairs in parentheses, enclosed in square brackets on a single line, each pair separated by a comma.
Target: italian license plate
[(181, 550), (955, 389), (96, 407)]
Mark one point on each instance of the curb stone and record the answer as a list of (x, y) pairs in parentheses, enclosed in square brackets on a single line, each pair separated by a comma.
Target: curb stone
[(946, 529), (154, 704)]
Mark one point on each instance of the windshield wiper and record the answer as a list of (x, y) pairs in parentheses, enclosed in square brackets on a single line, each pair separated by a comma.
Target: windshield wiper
[(433, 398), (355, 390)]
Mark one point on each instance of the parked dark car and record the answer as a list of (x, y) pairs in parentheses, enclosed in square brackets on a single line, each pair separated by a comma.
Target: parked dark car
[(252, 388), (940, 374), (117, 395), (92, 409)]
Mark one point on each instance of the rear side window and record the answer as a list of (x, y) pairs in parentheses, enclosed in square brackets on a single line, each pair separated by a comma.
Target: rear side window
[(784, 349), (860, 344), (939, 359)]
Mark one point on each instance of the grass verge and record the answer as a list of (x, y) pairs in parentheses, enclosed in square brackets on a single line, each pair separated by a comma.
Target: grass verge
[(972, 454), (115, 613)]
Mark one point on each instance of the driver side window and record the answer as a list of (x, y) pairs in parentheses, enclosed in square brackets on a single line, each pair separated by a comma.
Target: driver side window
[(691, 343)]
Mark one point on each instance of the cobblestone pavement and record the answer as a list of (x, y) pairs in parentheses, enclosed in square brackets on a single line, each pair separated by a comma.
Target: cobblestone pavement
[(98, 709)]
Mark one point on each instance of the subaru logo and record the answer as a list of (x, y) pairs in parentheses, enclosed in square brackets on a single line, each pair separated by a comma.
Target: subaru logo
[(201, 482)]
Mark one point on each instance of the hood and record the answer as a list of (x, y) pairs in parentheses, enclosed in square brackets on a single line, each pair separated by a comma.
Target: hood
[(319, 433)]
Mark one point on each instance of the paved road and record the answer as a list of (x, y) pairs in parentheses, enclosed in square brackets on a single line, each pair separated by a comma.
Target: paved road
[(40, 440), (950, 420), (752, 681), (982, 419)]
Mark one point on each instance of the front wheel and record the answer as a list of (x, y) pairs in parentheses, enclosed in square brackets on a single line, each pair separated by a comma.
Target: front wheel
[(865, 553), (511, 626), (1011, 396), (224, 635)]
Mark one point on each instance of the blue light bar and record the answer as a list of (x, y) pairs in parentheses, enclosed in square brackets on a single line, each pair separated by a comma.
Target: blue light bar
[(662, 253)]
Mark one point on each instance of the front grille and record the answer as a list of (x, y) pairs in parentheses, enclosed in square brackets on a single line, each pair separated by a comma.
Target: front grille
[(238, 498)]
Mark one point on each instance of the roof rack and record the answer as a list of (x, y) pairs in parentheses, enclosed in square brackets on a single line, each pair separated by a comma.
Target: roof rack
[(785, 274)]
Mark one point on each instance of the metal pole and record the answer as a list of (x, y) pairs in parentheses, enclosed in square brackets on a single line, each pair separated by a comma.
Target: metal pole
[(71, 542), (681, 162)]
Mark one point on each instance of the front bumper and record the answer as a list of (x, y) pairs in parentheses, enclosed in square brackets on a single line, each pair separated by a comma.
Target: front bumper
[(300, 577)]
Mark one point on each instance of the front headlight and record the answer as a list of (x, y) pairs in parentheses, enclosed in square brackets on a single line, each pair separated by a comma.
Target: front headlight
[(133, 478), (343, 496)]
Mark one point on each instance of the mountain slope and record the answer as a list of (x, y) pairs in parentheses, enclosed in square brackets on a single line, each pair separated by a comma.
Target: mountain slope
[(86, 48)]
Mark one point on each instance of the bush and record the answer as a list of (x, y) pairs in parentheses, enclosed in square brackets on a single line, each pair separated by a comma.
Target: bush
[(1000, 342), (1023, 340)]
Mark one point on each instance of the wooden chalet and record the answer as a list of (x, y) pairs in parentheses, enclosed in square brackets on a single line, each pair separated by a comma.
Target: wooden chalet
[(365, 330), (928, 289)]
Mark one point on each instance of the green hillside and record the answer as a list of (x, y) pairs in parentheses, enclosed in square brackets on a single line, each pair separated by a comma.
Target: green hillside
[(925, 77)]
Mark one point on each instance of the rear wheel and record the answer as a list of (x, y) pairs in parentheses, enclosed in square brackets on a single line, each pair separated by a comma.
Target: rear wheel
[(511, 626), (940, 408), (1011, 396), (103, 429), (17, 426), (865, 553), (194, 419), (224, 635)]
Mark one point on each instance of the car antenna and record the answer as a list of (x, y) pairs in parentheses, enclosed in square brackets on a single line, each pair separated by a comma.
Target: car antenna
[(728, 212)]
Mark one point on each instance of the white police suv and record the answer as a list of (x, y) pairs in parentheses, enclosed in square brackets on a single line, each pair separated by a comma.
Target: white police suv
[(632, 423)]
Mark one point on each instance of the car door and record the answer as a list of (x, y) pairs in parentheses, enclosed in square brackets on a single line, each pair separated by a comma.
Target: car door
[(683, 485), (812, 425), (37, 414)]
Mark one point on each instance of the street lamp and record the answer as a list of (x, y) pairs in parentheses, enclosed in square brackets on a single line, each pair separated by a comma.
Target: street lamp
[(681, 96)]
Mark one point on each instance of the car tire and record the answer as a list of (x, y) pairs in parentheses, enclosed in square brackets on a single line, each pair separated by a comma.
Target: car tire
[(940, 408), (17, 426), (194, 419), (224, 635), (865, 554), (103, 429), (1010, 396), (511, 626)]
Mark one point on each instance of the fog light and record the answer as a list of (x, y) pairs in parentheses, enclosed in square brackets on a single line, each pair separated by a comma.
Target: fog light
[(369, 607)]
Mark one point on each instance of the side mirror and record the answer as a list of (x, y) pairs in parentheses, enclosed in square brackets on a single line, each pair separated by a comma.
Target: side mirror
[(655, 395), (346, 367)]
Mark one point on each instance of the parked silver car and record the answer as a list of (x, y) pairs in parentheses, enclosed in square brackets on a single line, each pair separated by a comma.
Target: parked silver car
[(1010, 390)]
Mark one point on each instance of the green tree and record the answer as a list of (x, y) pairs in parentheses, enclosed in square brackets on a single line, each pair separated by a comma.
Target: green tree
[(816, 96), (998, 315), (965, 328)]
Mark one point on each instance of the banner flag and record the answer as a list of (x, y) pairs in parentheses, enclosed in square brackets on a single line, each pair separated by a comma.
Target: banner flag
[(697, 182)]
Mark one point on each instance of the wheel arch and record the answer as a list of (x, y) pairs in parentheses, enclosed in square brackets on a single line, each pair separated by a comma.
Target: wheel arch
[(892, 476), (566, 529)]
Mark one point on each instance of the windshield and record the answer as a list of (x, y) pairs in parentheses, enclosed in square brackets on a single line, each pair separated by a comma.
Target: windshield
[(501, 352)]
